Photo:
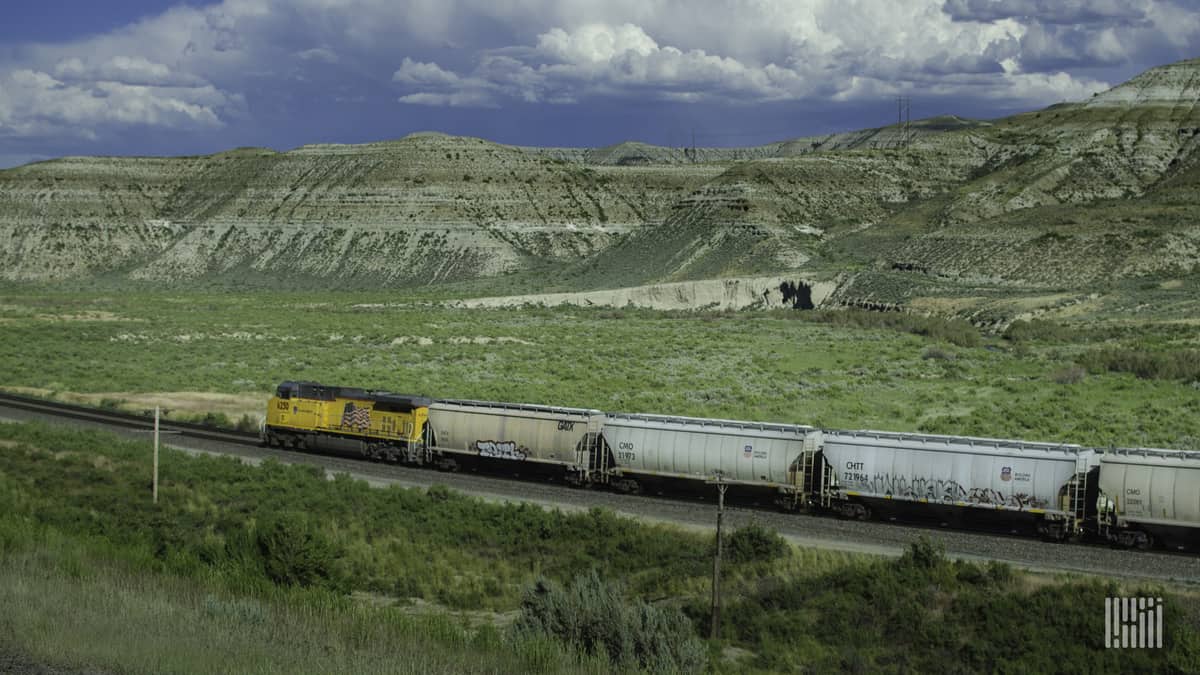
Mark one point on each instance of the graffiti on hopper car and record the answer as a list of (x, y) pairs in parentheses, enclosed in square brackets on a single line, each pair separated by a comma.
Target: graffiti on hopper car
[(947, 491), (501, 450)]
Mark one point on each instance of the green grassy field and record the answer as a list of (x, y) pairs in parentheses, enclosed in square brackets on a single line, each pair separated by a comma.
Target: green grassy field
[(274, 569), (1058, 384)]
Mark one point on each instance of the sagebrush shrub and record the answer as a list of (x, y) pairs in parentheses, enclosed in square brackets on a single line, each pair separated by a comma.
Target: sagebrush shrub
[(592, 615), (755, 543), (295, 553)]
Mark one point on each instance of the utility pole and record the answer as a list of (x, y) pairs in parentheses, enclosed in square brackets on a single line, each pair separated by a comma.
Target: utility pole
[(157, 432), (716, 581)]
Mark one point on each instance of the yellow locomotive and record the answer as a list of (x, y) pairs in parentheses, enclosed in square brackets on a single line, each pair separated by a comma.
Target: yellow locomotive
[(379, 425)]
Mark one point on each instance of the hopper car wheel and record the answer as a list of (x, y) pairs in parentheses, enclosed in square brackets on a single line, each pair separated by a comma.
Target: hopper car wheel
[(629, 486), (853, 511), (1134, 539), (1053, 532)]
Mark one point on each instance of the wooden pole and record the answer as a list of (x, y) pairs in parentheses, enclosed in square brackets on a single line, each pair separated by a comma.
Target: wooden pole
[(716, 582), (155, 454)]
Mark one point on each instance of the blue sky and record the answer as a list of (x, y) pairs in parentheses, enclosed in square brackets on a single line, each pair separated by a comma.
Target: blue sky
[(145, 77)]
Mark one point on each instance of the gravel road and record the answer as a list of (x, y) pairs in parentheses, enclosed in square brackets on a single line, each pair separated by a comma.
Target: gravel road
[(820, 532)]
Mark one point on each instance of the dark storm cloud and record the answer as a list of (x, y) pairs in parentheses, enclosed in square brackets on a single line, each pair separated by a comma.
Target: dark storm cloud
[(1071, 12), (290, 72)]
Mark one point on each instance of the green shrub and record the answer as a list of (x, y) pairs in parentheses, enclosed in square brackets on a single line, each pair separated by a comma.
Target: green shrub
[(592, 615), (924, 553), (215, 419), (111, 403), (247, 423), (1070, 375), (1183, 364), (999, 572), (954, 331), (294, 553), (1039, 330), (755, 543), (937, 353)]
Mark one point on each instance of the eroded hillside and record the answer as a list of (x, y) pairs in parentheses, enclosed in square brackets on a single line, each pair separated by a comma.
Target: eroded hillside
[(1075, 198), (422, 209)]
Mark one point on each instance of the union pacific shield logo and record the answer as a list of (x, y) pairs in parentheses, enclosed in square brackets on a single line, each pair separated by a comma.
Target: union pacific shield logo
[(1006, 474), (749, 450)]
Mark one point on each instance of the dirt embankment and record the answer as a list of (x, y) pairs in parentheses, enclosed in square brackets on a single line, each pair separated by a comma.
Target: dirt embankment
[(742, 293)]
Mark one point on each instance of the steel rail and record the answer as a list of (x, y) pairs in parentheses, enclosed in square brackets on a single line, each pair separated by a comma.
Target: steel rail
[(127, 419)]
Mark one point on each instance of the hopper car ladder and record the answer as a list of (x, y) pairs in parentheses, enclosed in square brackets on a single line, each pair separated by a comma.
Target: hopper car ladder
[(597, 466), (812, 478), (1078, 496)]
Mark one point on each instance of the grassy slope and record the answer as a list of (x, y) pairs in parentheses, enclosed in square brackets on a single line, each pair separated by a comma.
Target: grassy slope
[(760, 366), (195, 588), (61, 597)]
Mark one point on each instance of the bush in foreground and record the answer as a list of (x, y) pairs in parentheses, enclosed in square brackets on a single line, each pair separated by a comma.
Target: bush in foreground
[(592, 615), (295, 553), (755, 543)]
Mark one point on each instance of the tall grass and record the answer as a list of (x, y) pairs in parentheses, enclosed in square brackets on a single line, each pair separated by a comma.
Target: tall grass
[(278, 524), (67, 605), (923, 613), (1181, 365), (954, 331)]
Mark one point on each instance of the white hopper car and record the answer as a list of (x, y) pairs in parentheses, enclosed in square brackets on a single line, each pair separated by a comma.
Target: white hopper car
[(550, 436), (777, 457), (1045, 481), (1150, 493)]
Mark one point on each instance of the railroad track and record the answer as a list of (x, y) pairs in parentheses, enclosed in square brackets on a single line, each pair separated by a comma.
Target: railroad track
[(829, 533), (128, 420)]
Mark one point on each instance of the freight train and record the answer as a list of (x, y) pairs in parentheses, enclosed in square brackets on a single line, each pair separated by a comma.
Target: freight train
[(1131, 497)]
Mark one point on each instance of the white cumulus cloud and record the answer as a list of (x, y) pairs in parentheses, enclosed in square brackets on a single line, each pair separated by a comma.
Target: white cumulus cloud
[(838, 63), (38, 103), (210, 66)]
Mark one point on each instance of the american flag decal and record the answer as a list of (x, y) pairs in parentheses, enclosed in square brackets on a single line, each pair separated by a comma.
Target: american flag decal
[(354, 417)]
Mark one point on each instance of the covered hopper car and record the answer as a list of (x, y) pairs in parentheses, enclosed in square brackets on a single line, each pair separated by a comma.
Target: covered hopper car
[(775, 457), (1039, 482), (1150, 494), (553, 437)]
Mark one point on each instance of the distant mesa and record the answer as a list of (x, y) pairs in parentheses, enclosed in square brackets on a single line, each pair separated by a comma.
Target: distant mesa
[(946, 214)]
